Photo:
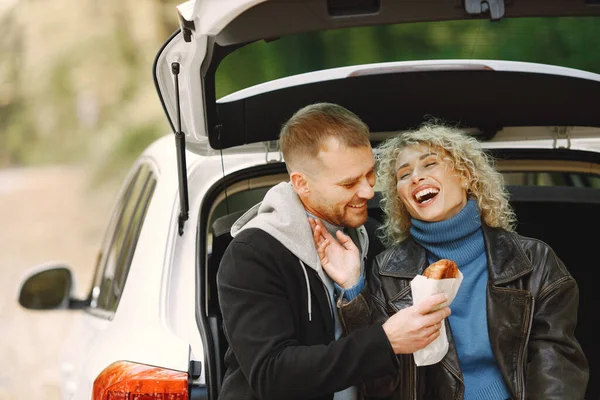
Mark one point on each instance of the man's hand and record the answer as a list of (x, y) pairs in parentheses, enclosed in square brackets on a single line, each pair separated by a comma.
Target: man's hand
[(339, 257), (413, 328)]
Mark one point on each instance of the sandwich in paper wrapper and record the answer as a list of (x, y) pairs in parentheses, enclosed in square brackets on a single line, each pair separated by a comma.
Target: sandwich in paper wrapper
[(442, 276)]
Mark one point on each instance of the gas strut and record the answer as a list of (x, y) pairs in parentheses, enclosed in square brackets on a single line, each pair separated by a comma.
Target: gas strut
[(181, 162)]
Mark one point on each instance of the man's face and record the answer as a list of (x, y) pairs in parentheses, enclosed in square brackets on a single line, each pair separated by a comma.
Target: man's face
[(339, 184)]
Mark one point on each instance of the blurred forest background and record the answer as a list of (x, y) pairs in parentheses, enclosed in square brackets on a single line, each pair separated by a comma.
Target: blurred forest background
[(78, 105), (76, 80), (76, 85)]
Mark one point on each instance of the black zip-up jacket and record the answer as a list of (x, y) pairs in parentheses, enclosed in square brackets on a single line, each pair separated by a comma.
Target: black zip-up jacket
[(532, 303), (275, 351)]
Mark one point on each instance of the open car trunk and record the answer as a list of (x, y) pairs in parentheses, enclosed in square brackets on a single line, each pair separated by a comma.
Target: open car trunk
[(485, 95), (556, 215)]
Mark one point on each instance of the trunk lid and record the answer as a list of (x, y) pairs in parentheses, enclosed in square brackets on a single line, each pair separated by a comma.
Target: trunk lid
[(492, 94)]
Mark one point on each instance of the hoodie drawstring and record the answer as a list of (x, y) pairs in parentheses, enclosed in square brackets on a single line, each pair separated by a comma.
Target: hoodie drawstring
[(307, 290)]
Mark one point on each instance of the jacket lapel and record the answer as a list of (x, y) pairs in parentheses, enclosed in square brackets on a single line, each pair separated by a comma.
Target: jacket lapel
[(509, 308), (450, 361), (506, 259)]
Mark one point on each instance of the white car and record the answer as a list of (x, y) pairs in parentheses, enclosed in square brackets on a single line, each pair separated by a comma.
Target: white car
[(151, 323)]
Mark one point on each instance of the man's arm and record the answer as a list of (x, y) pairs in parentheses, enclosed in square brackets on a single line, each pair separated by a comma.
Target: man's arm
[(257, 314), (357, 313)]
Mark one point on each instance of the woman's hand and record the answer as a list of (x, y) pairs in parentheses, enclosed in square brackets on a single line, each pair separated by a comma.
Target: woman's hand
[(340, 258)]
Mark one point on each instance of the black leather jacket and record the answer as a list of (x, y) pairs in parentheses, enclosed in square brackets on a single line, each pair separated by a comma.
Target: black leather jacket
[(532, 303)]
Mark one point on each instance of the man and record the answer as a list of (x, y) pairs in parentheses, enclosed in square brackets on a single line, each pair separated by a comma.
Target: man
[(279, 307)]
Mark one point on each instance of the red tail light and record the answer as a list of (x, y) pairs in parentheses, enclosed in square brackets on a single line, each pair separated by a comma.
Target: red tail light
[(126, 380)]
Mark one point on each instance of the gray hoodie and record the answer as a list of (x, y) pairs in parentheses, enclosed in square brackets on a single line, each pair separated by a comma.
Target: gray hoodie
[(282, 215)]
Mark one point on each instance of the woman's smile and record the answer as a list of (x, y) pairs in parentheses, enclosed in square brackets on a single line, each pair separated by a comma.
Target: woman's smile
[(425, 194)]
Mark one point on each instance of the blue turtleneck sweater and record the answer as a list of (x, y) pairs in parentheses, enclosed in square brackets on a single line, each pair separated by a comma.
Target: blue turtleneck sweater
[(460, 239)]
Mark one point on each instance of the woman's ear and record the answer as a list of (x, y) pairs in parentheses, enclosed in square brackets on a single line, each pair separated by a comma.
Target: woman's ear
[(465, 182), (465, 187), (299, 183)]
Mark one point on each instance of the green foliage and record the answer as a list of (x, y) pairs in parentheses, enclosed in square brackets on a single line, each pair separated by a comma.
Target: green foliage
[(16, 134), (129, 145)]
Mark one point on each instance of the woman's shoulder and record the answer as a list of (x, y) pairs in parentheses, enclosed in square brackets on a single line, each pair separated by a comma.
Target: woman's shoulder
[(506, 237), (542, 256), (530, 244), (396, 248)]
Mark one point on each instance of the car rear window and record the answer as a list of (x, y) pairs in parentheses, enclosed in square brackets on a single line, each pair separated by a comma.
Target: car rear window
[(562, 41), (552, 179)]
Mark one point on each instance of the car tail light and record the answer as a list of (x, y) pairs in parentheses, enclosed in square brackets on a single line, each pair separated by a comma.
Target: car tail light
[(131, 381)]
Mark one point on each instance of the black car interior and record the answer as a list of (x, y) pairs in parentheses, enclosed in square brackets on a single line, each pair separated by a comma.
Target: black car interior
[(564, 217)]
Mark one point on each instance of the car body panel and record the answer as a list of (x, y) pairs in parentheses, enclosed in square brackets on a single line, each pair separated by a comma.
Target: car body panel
[(210, 17), (155, 321), (138, 324)]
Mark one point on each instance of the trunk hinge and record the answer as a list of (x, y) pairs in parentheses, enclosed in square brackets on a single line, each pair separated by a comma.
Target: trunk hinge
[(181, 161), (563, 134), (494, 7), (272, 146)]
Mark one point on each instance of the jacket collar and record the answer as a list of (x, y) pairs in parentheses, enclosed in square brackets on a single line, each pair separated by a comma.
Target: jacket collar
[(404, 260), (506, 259)]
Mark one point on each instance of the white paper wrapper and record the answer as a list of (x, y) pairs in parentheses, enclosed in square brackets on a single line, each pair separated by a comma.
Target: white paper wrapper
[(421, 288)]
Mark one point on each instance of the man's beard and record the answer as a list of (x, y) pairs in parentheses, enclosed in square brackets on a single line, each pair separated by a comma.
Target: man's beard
[(347, 220)]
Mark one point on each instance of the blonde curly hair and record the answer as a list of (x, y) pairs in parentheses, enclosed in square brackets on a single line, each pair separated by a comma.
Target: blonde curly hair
[(463, 154)]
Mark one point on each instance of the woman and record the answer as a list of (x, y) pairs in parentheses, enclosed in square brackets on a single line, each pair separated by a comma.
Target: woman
[(511, 331)]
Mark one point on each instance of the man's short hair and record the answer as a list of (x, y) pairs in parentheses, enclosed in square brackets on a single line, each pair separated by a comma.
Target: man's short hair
[(304, 134)]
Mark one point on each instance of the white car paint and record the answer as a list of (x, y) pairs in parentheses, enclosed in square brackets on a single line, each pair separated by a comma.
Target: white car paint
[(209, 18)]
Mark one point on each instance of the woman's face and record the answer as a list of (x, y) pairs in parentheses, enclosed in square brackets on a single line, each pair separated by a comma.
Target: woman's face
[(429, 189)]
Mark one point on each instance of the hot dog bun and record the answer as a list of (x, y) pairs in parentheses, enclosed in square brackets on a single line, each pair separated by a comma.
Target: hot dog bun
[(442, 269)]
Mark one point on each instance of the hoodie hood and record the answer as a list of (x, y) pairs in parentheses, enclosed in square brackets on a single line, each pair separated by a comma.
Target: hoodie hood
[(282, 215)]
